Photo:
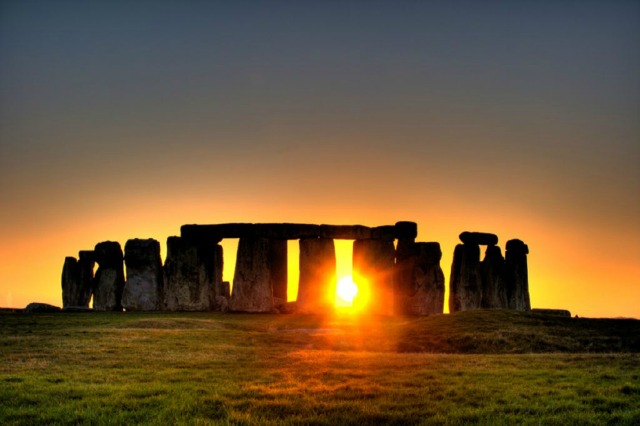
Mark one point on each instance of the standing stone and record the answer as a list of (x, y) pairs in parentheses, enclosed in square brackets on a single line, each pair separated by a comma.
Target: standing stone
[(317, 282), (252, 287), (427, 292), (71, 285), (278, 264), (192, 273), (373, 273), (143, 288), (404, 269), (494, 292), (517, 276), (86, 263), (109, 281), (465, 284)]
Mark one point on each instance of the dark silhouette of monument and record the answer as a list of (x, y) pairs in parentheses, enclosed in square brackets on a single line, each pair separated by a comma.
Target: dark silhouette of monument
[(403, 278)]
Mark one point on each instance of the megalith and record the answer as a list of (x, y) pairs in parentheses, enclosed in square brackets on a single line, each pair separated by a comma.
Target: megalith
[(517, 275), (109, 280), (144, 284), (492, 269), (86, 263), (278, 265), (77, 280), (317, 281), (192, 275), (252, 286), (71, 285), (373, 273), (465, 284), (426, 293)]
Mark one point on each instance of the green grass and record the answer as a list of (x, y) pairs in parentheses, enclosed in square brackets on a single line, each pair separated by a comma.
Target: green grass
[(487, 367)]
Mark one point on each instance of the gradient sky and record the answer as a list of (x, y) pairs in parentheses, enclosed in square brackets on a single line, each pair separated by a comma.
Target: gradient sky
[(126, 119)]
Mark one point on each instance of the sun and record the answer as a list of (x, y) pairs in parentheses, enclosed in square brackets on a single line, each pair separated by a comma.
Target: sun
[(346, 291)]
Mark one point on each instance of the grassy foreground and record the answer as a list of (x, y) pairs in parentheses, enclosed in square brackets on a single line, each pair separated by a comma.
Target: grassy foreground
[(488, 367)]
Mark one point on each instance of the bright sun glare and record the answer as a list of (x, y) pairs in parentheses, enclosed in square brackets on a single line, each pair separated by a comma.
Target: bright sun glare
[(347, 290)]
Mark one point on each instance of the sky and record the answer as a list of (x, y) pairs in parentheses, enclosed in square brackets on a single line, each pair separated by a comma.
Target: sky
[(127, 119)]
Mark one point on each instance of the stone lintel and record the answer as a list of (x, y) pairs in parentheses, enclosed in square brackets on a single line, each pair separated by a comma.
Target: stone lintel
[(479, 238), (294, 231)]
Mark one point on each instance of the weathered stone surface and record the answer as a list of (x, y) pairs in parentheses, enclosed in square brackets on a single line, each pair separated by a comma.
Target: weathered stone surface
[(44, 308), (77, 280), (278, 264), (517, 276), (426, 296), (144, 284), (465, 284), (494, 292), (373, 273), (317, 282), (86, 263), (406, 230), (192, 272), (252, 286), (109, 280), (71, 286), (479, 238)]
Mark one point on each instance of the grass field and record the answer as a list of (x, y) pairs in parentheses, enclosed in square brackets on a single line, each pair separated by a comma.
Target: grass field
[(488, 367)]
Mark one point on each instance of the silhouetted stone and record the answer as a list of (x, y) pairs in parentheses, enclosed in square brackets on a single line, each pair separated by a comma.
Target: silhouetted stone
[(517, 275), (293, 231), (373, 273), (192, 271), (406, 230), (252, 286), (226, 289), (494, 292), (427, 292), (465, 284), (404, 269), (109, 280), (343, 232), (41, 308), (479, 238), (86, 263), (278, 264), (143, 288), (71, 287), (317, 282)]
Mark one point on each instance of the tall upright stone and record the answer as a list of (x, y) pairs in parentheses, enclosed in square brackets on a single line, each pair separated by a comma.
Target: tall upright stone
[(252, 286), (192, 274), (404, 275), (373, 272), (517, 275), (109, 280), (71, 285), (144, 284), (424, 291), (492, 269), (86, 263), (278, 264), (465, 283), (317, 281)]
